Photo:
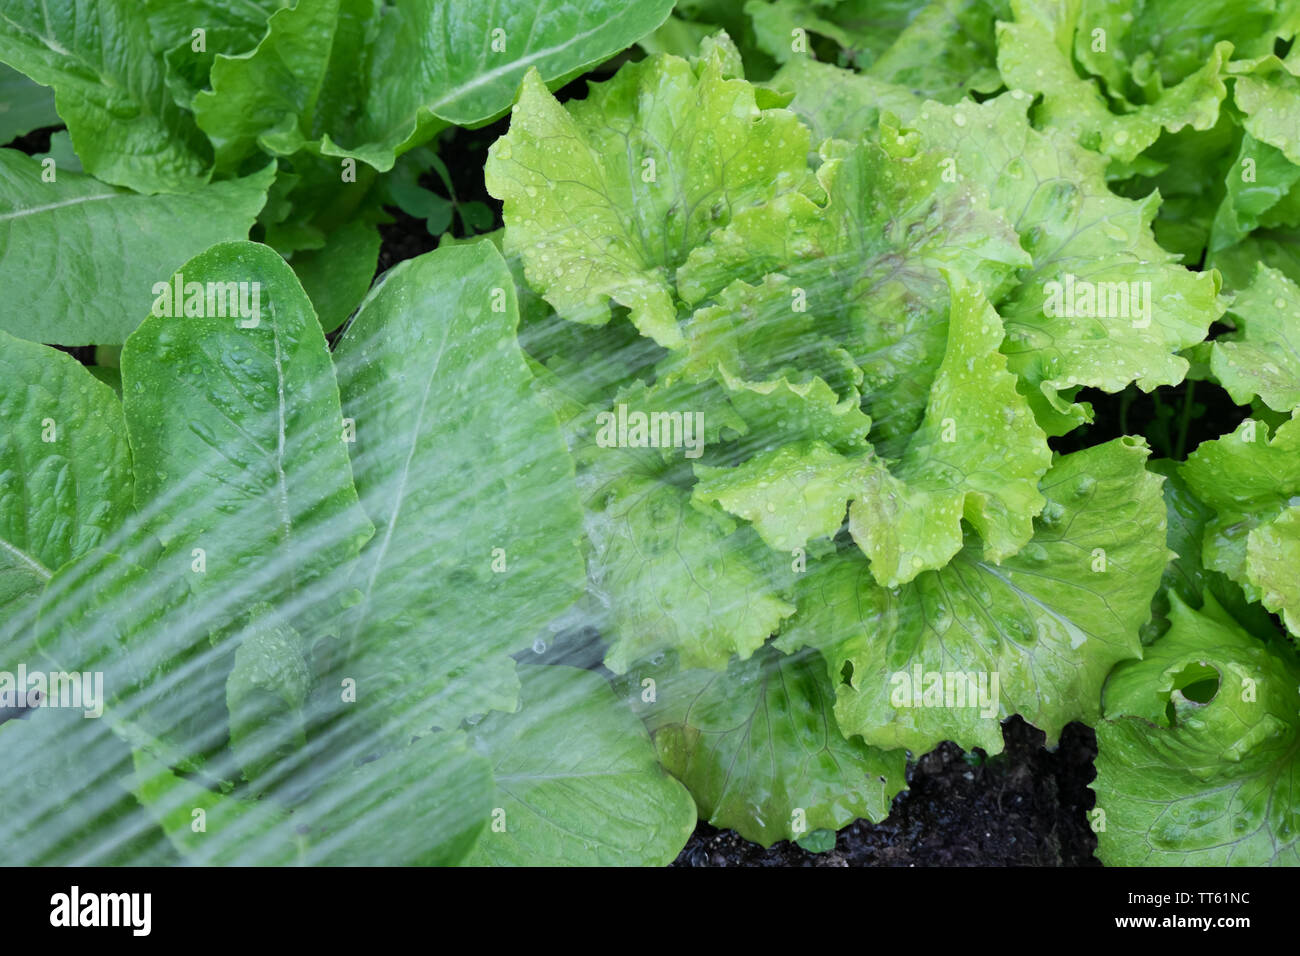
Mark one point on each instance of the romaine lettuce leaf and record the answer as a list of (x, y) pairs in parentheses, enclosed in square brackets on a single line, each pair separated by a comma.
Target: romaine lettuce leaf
[(225, 462), (98, 299), (65, 468), (466, 63), (446, 419), (577, 782), (24, 106), (110, 90)]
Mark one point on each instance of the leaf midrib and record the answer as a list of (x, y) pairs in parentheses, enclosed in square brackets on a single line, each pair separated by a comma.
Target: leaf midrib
[(37, 568)]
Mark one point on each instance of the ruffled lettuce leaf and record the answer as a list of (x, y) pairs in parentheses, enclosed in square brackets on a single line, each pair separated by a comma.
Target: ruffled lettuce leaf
[(1262, 357), (759, 748), (1036, 55), (674, 576), (1102, 305), (947, 51), (1253, 484), (1196, 757), (1267, 91), (1187, 575), (977, 456), (606, 197), (1256, 191), (949, 655), (861, 271)]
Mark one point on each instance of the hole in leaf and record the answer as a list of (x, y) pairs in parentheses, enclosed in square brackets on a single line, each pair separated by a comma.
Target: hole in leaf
[(1203, 691)]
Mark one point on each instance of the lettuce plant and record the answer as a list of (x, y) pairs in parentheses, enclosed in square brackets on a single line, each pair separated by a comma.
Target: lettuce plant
[(760, 449)]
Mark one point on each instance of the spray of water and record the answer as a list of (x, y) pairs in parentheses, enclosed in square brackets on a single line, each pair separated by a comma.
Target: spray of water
[(451, 461)]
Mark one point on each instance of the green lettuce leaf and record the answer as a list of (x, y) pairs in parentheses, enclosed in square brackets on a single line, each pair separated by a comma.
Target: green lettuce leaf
[(1263, 356), (1074, 319), (133, 620), (759, 748), (446, 419), (947, 656), (676, 576), (840, 104), (267, 691), (65, 468), (1186, 575), (1258, 180), (74, 811), (861, 272), (24, 106), (1277, 248), (577, 782), (947, 51), (271, 96), (388, 811), (606, 197), (978, 457), (1253, 485), (228, 28), (1149, 45), (99, 299), (1267, 90), (226, 463), (1272, 557), (1035, 55), (863, 29), (110, 90), (338, 275), (466, 63), (1196, 758)]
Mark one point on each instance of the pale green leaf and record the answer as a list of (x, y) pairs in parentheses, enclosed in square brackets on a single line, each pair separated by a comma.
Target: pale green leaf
[(949, 655), (759, 748), (1196, 760), (464, 472), (577, 780)]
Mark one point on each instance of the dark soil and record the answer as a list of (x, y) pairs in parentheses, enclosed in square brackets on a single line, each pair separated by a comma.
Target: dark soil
[(1024, 807)]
